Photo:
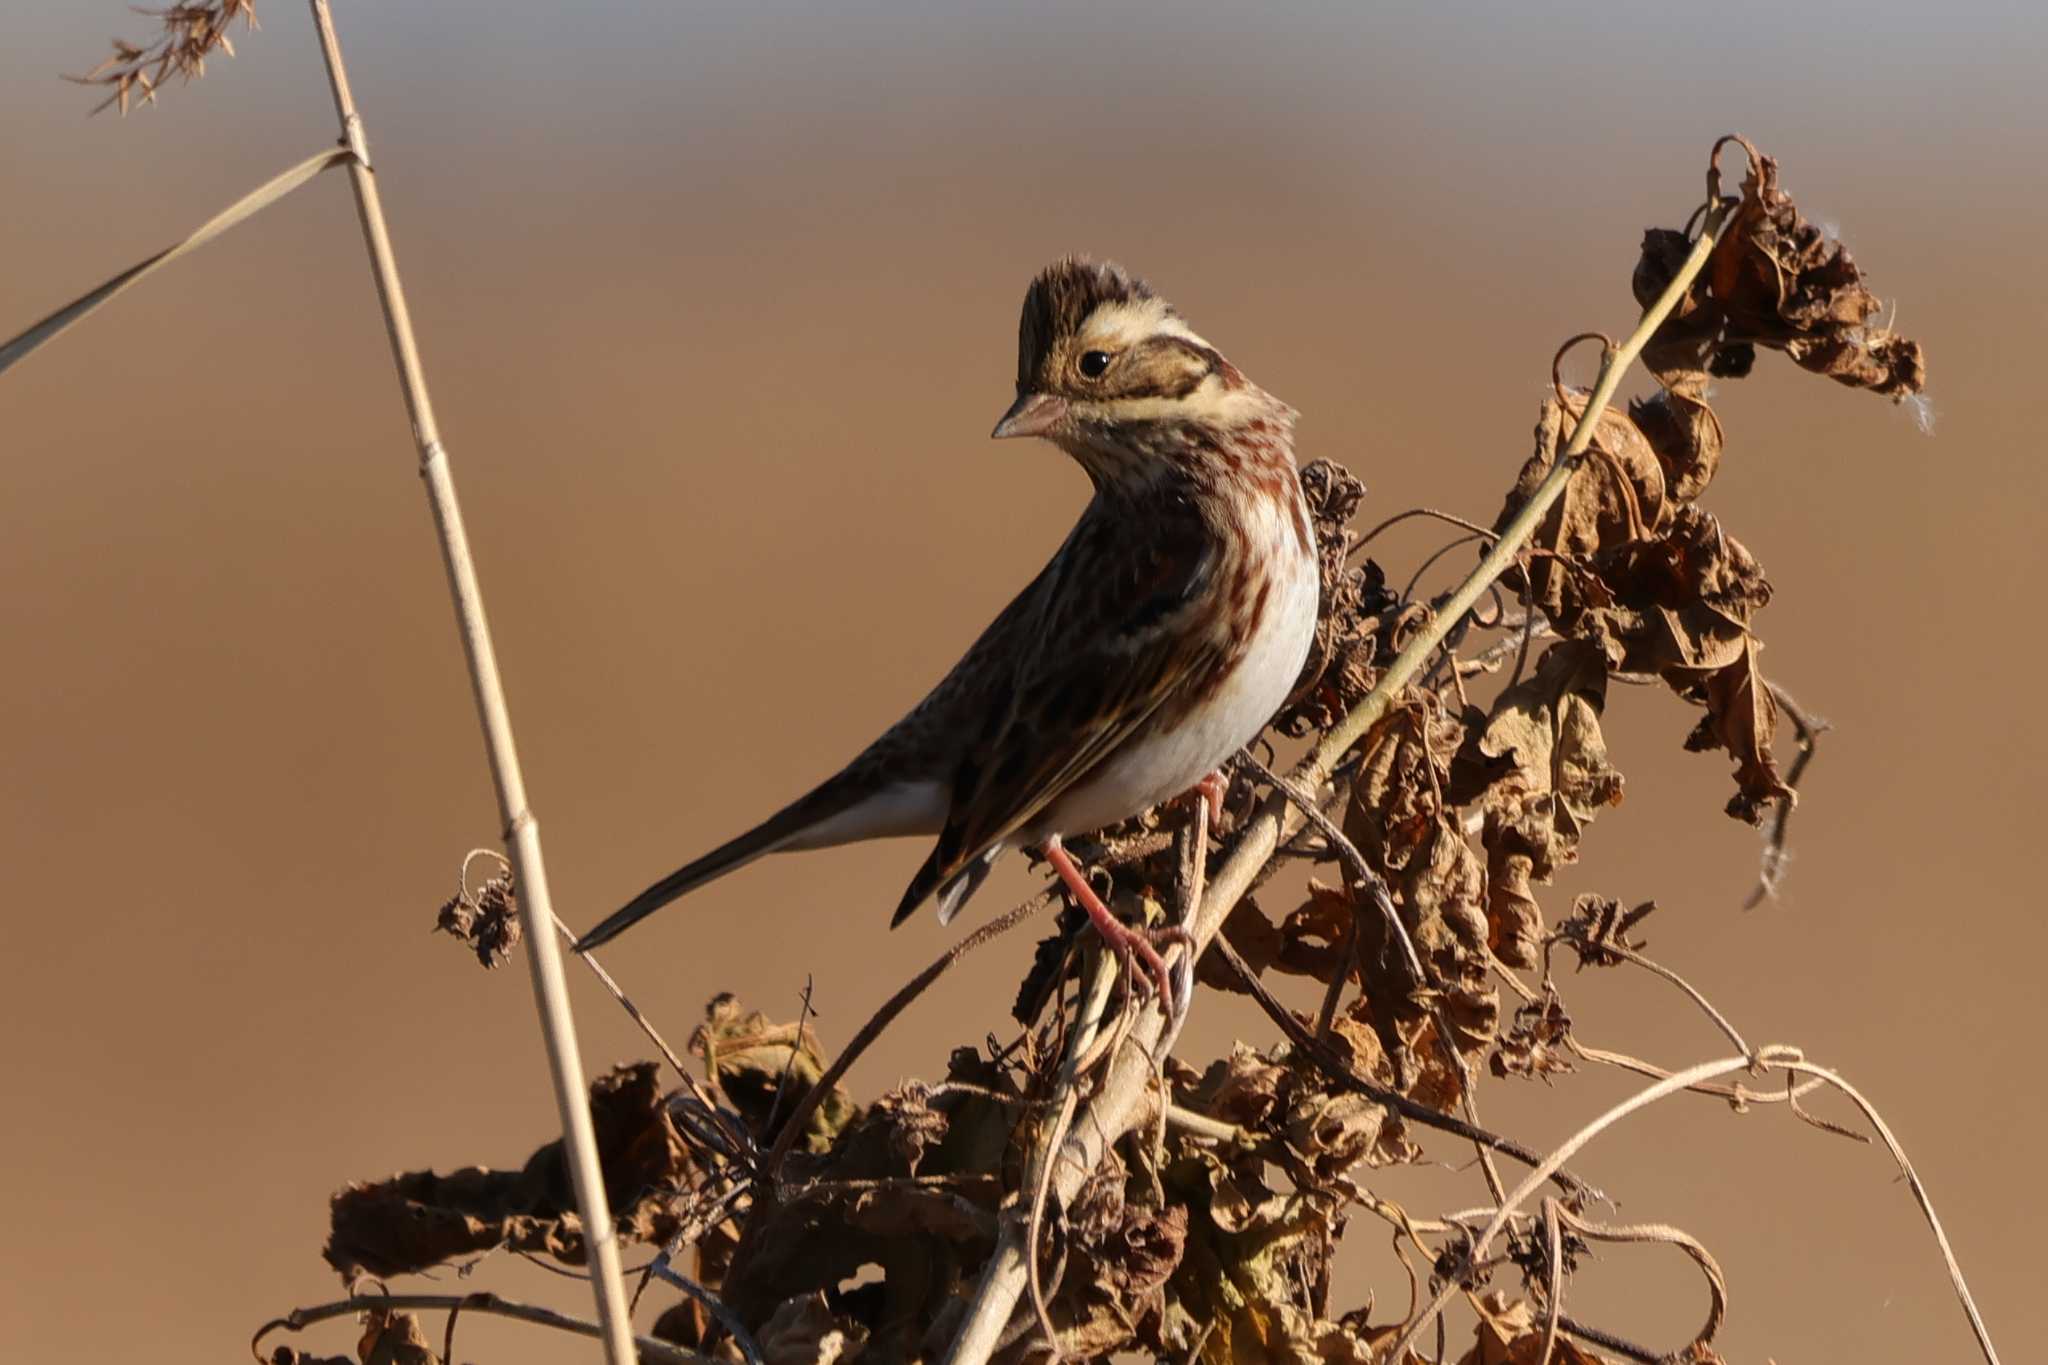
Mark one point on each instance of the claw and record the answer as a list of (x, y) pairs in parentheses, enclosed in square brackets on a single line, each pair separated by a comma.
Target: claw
[(1125, 942)]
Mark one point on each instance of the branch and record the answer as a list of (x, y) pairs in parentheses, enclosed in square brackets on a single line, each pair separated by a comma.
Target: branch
[(301, 1318), (1333, 1066), (1783, 1058), (886, 1015)]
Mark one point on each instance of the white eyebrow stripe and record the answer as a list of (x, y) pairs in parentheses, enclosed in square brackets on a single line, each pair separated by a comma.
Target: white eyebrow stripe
[(1209, 402), (1120, 326)]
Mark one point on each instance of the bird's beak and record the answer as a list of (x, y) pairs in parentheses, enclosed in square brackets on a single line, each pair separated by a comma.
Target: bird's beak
[(1033, 414)]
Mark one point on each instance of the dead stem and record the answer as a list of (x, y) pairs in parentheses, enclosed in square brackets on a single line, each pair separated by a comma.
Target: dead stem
[(1808, 728), (482, 1302), (1333, 1067), (729, 1320), (1778, 1056), (1665, 1234), (1088, 1012), (886, 1015), (521, 828)]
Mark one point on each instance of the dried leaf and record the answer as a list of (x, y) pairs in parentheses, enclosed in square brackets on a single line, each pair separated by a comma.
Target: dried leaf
[(1510, 1333), (1616, 495), (1242, 1089), (486, 920), (803, 1331), (1780, 281), (1315, 939), (1686, 437), (765, 1068), (392, 1338), (1254, 937), (1742, 717), (1536, 1045), (1553, 777), (414, 1221), (1599, 925)]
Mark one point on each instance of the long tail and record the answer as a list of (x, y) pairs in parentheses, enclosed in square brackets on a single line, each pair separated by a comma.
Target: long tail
[(847, 807), (781, 829), (771, 834)]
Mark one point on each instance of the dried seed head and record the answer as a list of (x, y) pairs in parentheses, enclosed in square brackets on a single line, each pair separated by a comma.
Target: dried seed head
[(189, 34)]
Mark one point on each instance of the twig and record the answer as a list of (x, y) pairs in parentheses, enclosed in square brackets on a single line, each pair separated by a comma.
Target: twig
[(886, 1015), (1809, 728), (1088, 1012), (521, 830), (1606, 1340), (735, 1137), (1333, 1066), (1553, 1294), (1525, 628), (1368, 537), (299, 1319), (1376, 887), (1341, 844), (1570, 1147), (729, 1320), (1627, 954), (1773, 1056), (1204, 1127), (1717, 1283), (1920, 1196), (632, 1010), (1739, 1096), (1352, 728), (796, 1040), (448, 1336)]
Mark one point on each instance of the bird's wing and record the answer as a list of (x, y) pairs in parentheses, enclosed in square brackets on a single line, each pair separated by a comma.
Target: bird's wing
[(1110, 643)]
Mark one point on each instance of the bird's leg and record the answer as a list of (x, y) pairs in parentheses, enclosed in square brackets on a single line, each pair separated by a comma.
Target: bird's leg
[(1212, 789), (1122, 940)]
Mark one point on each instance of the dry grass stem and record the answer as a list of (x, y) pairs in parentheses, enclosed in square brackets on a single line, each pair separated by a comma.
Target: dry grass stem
[(521, 829)]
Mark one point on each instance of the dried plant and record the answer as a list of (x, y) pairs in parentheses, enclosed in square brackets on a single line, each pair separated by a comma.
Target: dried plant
[(189, 34), (1075, 1189)]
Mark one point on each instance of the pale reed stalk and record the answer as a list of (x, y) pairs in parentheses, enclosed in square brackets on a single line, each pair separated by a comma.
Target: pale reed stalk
[(521, 830)]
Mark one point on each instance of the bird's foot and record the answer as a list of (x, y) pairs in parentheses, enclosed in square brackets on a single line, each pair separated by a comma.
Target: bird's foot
[(1140, 946), (1212, 789)]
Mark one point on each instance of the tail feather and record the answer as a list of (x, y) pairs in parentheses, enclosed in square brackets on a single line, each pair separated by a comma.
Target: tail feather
[(952, 891), (846, 808), (768, 836)]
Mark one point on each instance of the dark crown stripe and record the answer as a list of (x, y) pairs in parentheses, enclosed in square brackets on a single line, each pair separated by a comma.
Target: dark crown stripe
[(1060, 300)]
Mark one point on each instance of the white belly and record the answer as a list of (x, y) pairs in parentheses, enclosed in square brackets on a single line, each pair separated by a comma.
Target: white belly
[(1162, 763)]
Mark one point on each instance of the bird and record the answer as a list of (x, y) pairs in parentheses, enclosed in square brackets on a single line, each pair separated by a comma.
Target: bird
[(1166, 631)]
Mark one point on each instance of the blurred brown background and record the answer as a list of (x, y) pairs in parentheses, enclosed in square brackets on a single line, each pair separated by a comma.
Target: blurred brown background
[(719, 307)]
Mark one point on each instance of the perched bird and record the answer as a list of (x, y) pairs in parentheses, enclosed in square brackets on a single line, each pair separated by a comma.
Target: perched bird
[(1162, 636)]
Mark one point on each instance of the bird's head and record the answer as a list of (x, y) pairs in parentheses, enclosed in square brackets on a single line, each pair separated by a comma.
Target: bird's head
[(1111, 373)]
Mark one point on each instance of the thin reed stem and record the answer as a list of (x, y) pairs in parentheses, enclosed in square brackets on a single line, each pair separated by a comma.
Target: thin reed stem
[(521, 830)]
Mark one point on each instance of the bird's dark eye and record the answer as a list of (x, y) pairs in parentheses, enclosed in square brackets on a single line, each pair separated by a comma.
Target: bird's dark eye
[(1094, 364)]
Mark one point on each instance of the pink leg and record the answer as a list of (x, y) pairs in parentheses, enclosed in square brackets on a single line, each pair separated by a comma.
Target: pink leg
[(1212, 789), (1122, 941)]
